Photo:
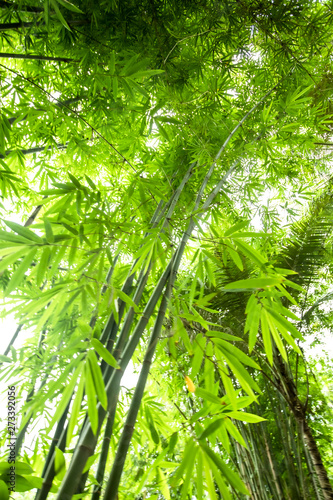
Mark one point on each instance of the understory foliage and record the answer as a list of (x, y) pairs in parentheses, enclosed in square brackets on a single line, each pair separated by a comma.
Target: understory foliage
[(167, 207)]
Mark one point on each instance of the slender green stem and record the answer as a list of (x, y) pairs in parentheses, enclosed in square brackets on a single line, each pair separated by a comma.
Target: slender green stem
[(111, 492), (104, 454), (8, 55)]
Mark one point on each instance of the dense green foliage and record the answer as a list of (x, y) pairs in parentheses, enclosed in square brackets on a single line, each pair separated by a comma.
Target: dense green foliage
[(166, 204)]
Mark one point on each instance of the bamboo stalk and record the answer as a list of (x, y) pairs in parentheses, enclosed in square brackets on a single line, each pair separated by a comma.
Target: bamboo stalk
[(14, 26), (12, 340), (34, 150), (111, 491), (104, 455), (9, 55)]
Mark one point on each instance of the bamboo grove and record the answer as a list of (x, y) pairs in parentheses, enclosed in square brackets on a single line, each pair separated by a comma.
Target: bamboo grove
[(166, 207)]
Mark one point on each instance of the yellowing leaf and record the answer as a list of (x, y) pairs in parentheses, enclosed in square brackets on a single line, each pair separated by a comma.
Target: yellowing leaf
[(189, 383)]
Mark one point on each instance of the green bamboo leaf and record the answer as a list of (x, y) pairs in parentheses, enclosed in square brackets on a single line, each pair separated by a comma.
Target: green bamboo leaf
[(91, 397), (213, 427), (188, 451), (4, 493), (284, 323), (266, 335), (10, 259), (294, 285), (288, 338), (75, 411), (59, 14), (98, 379), (220, 483), (253, 311), (189, 471), (236, 258), (59, 463), (20, 467), (104, 353), (245, 417), (151, 425), (19, 273), (163, 484), (9, 250), (207, 396), (250, 252), (48, 230), (66, 396), (197, 359), (90, 462), (234, 432), (276, 336), (240, 355), (229, 389), (181, 330), (252, 283), (209, 479), (125, 298), (74, 180), (236, 227), (23, 231), (115, 87), (70, 6), (247, 382), (199, 476), (13, 238), (231, 476), (5, 359)]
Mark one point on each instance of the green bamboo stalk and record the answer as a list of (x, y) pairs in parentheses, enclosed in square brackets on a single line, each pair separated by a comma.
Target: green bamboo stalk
[(8, 55), (12, 340), (104, 454), (110, 330), (38, 149), (111, 491)]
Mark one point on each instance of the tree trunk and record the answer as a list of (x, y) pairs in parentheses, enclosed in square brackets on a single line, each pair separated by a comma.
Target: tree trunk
[(317, 461), (299, 410)]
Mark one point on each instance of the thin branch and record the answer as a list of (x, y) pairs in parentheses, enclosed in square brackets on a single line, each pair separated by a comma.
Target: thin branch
[(38, 149), (8, 55)]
